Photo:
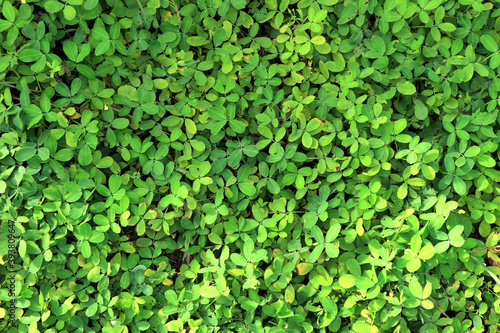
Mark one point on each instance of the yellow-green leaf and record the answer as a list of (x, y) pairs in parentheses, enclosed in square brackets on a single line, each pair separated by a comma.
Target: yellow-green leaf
[(209, 292)]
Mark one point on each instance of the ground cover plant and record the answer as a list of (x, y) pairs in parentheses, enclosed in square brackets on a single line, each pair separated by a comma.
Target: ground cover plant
[(249, 166)]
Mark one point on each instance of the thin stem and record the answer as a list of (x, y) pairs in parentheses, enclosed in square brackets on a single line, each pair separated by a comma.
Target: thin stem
[(174, 5), (401, 226), (140, 6), (488, 57), (415, 16), (495, 249), (8, 85), (13, 86), (64, 107)]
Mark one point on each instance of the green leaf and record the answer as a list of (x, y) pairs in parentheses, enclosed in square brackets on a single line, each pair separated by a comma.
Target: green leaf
[(150, 108), (422, 147), (238, 4), (86, 71), (90, 4), (248, 248), (238, 259), (459, 186), (69, 12), (348, 13), (64, 155), (332, 233), (197, 41), (198, 145), (428, 172), (495, 60), (310, 219), (53, 6), (332, 250), (234, 159), (36, 264), (304, 268), (407, 88), (416, 243), (489, 43), (427, 252), (25, 153), (493, 276), (402, 191), (217, 113), (433, 4), (22, 248), (160, 84), (100, 34), (430, 156), (101, 219), (190, 126), (483, 71), (353, 267), (317, 234), (400, 125), (448, 27), (30, 55), (456, 232), (251, 150), (120, 123), (8, 11), (85, 156), (219, 36), (171, 297), (413, 265), (70, 49), (493, 174), (316, 253), (421, 110), (273, 186), (247, 188), (85, 230), (85, 249), (97, 237), (416, 289), (363, 283), (51, 194), (214, 238), (114, 183), (290, 294), (102, 47), (4, 25), (378, 43), (347, 281), (318, 40), (307, 140), (105, 162), (486, 161), (237, 126)]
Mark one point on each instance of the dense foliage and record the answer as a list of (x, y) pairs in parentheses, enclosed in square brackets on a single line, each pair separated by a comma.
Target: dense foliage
[(250, 166)]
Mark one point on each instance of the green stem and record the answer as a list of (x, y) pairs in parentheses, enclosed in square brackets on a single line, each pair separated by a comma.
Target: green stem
[(7, 85), (140, 6), (13, 86), (488, 57), (174, 6), (497, 280), (401, 226)]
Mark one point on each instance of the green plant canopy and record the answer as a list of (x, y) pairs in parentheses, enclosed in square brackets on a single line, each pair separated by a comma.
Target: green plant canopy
[(272, 166)]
